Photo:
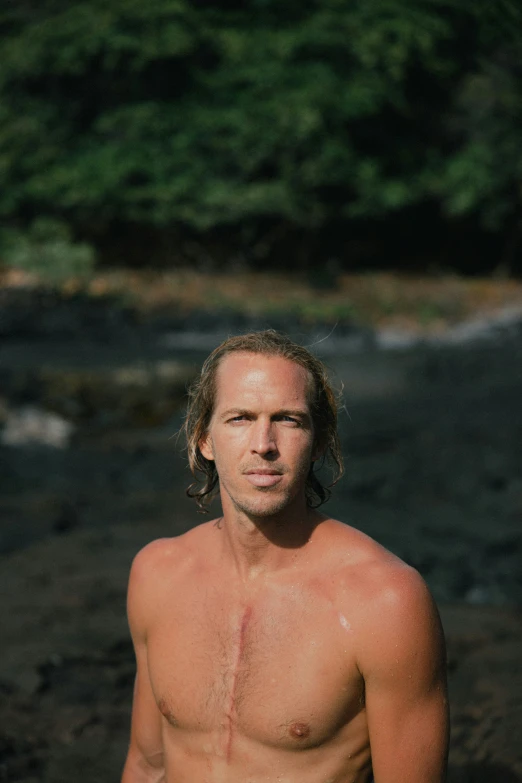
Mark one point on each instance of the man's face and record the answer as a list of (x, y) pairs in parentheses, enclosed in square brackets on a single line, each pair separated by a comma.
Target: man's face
[(261, 434)]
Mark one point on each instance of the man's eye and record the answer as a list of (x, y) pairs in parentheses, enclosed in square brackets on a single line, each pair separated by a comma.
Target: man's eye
[(291, 420)]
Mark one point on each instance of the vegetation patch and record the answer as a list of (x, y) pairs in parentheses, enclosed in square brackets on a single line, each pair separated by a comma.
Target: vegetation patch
[(380, 300)]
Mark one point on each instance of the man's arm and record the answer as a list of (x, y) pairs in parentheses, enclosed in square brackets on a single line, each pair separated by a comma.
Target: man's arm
[(144, 762), (403, 665)]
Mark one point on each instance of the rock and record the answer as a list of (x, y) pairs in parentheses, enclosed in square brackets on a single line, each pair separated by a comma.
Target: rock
[(30, 425), (141, 393), (485, 679)]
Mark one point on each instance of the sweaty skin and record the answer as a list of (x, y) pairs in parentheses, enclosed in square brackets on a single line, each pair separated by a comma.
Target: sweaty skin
[(276, 644)]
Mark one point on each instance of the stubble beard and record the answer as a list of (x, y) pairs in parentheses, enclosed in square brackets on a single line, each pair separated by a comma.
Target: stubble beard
[(267, 507), (268, 502)]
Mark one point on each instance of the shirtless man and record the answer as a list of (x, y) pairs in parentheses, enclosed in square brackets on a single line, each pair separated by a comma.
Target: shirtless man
[(275, 643)]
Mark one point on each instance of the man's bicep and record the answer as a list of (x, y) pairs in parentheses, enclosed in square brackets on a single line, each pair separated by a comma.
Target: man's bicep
[(146, 738), (408, 738), (405, 683), (146, 746)]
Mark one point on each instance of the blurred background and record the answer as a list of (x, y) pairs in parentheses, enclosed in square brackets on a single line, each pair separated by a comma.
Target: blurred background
[(174, 172)]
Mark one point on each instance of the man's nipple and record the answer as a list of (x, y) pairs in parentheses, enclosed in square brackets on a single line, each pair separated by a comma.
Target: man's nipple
[(166, 712), (299, 730)]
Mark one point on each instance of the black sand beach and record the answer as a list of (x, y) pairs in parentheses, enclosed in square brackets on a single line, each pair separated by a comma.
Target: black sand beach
[(432, 436)]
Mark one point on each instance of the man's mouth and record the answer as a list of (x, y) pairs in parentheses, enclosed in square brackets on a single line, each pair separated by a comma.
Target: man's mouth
[(263, 477)]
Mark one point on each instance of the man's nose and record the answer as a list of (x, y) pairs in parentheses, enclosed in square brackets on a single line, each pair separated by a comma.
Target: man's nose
[(263, 438)]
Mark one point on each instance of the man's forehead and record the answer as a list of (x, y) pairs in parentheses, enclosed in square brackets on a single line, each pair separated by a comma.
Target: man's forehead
[(244, 368)]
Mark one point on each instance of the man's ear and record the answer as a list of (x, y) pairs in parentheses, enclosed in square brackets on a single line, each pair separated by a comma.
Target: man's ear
[(205, 446)]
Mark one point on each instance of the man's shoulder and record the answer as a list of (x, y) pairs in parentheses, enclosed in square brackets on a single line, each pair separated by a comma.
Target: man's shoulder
[(393, 596), (396, 590), (360, 556), (355, 549), (391, 609), (158, 571), (171, 554)]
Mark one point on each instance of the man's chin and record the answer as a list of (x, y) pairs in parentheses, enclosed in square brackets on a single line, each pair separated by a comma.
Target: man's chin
[(264, 508)]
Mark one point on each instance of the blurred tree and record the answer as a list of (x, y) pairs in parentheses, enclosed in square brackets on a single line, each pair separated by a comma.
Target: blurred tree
[(208, 114)]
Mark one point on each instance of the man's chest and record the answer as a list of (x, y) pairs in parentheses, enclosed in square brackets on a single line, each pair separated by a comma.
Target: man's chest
[(280, 669)]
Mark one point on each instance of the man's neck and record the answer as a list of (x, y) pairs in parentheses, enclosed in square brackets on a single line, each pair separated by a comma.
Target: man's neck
[(259, 545)]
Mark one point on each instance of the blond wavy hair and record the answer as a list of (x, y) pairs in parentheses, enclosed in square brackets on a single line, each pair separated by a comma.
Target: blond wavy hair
[(323, 408)]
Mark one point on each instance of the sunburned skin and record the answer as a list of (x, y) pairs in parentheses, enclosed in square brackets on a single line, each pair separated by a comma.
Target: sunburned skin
[(253, 683), (276, 645)]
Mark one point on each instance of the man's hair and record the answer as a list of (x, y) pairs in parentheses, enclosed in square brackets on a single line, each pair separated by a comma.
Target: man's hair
[(323, 409)]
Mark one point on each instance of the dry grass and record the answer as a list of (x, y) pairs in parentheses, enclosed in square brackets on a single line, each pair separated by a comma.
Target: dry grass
[(391, 300)]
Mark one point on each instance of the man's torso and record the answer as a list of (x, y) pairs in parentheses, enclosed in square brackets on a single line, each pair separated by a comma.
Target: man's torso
[(259, 683)]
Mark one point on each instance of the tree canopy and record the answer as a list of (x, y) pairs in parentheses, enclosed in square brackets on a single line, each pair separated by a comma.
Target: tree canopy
[(207, 115)]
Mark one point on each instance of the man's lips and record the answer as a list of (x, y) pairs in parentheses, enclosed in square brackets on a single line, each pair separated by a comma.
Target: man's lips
[(263, 477)]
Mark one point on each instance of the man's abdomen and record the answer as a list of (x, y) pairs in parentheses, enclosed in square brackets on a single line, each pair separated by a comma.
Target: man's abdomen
[(201, 758)]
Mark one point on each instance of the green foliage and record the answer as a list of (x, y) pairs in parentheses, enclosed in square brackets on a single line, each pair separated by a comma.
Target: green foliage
[(46, 249), (210, 114)]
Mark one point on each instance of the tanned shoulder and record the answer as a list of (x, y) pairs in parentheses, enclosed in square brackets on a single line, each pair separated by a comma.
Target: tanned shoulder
[(402, 631), (400, 653), (148, 566), (154, 571), (391, 605)]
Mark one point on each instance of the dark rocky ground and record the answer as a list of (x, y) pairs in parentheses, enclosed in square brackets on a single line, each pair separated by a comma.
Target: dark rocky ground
[(433, 444)]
